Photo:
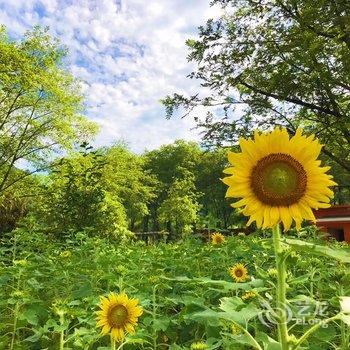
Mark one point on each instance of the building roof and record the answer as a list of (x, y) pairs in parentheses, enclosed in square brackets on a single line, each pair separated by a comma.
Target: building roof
[(335, 212)]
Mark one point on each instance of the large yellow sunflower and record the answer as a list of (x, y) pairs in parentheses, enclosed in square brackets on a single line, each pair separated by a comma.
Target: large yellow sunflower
[(118, 315), (278, 178)]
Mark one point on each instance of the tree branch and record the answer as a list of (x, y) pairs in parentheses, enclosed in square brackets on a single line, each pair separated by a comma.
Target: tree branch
[(4, 188), (341, 162), (291, 100)]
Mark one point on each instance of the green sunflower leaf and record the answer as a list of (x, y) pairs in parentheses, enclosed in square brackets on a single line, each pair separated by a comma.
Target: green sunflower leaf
[(269, 343), (229, 313), (337, 254), (224, 285)]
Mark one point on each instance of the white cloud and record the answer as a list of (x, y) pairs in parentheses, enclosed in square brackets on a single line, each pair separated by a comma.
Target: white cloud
[(129, 55)]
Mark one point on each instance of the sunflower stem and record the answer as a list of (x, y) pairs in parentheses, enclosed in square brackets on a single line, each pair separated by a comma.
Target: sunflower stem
[(280, 289), (15, 319), (154, 315), (120, 347), (313, 329), (61, 340), (254, 342), (113, 343), (61, 347), (344, 334)]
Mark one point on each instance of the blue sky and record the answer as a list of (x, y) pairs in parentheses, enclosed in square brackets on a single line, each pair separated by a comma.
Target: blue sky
[(128, 54)]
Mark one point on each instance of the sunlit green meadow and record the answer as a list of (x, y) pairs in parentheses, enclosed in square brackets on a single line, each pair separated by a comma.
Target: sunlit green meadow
[(50, 291)]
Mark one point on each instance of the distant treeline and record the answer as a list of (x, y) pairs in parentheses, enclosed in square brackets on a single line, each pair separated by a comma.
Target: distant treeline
[(112, 191)]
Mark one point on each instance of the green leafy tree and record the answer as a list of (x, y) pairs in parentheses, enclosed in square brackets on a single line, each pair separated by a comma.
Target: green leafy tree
[(126, 178), (13, 207), (77, 200), (168, 164), (40, 104), (104, 191), (213, 203), (189, 189), (16, 201), (180, 209), (283, 62)]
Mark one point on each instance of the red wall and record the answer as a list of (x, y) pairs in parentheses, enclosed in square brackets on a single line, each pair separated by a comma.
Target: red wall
[(335, 211)]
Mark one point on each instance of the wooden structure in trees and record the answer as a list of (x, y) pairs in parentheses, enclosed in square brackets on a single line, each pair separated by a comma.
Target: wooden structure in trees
[(152, 236), (335, 221)]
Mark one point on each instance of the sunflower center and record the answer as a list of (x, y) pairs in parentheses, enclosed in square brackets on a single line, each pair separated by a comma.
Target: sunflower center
[(278, 180), (118, 315), (239, 273)]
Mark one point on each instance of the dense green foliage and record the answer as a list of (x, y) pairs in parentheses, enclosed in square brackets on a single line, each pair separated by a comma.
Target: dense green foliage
[(188, 190), (40, 105), (112, 191), (49, 288)]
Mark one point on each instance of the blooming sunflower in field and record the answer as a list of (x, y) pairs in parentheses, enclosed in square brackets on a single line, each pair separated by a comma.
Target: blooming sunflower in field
[(278, 178), (249, 295), (217, 238), (235, 330), (118, 315), (65, 254), (199, 346), (239, 272)]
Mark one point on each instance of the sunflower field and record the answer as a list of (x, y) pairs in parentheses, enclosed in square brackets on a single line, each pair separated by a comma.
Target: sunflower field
[(190, 296)]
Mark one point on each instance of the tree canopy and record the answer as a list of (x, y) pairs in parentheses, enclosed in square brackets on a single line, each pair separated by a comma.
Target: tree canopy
[(40, 105), (268, 63)]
